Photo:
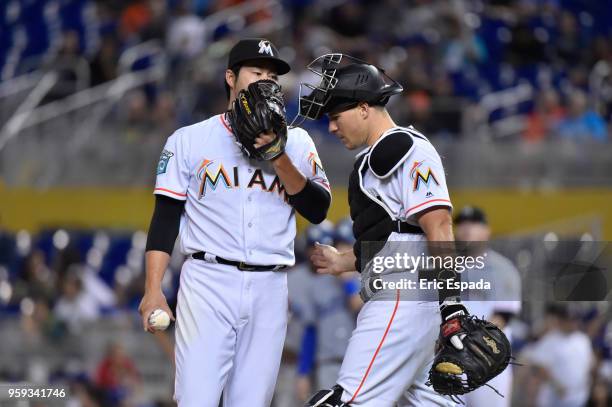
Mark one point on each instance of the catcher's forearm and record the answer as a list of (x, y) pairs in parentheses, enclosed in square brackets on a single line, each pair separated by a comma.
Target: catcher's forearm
[(347, 261), (438, 227)]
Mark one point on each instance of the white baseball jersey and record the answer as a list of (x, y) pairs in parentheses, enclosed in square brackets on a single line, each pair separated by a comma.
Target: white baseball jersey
[(568, 358), (230, 322), (416, 183), (236, 207), (392, 347)]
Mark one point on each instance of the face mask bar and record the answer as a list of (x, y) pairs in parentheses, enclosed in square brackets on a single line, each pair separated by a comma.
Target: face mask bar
[(312, 104)]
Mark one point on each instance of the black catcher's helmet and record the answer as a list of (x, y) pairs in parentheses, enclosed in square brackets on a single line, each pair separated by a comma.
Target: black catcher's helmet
[(344, 81)]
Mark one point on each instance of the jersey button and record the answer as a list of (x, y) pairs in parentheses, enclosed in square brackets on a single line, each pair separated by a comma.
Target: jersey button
[(250, 224), (249, 199)]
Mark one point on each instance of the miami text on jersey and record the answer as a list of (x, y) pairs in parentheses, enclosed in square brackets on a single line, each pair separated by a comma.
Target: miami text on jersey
[(210, 178)]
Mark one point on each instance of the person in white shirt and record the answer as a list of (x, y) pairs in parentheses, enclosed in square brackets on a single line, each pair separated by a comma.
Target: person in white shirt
[(563, 359), (498, 305), (237, 225), (397, 197)]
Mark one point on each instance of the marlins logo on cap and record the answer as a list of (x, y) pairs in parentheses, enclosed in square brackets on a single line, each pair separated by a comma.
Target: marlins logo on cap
[(256, 49), (265, 48)]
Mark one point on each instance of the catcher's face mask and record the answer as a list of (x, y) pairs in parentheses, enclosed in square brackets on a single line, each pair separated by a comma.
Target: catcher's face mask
[(342, 80)]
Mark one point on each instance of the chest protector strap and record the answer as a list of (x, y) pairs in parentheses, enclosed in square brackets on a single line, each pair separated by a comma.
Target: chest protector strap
[(372, 222)]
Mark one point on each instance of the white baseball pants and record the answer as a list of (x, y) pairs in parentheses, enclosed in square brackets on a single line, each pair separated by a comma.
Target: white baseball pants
[(230, 330), (389, 355)]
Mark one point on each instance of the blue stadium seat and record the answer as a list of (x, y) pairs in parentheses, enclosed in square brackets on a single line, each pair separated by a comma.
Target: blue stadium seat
[(116, 256), (37, 28)]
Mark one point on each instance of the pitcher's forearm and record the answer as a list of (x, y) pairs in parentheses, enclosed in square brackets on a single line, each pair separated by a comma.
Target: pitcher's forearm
[(291, 178), (156, 263)]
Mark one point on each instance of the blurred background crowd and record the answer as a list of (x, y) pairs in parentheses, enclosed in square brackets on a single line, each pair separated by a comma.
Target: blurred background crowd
[(516, 95), (127, 73)]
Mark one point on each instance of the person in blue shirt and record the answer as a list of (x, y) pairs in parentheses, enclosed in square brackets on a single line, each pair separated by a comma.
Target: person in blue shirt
[(582, 123)]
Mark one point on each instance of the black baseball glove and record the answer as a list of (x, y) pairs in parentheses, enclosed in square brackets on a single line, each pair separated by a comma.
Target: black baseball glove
[(485, 353), (259, 109)]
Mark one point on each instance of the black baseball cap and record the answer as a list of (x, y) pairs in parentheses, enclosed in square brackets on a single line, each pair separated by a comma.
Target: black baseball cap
[(249, 49), (471, 214)]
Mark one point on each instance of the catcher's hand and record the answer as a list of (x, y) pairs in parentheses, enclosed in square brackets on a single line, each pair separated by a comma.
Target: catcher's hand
[(483, 354), (257, 112)]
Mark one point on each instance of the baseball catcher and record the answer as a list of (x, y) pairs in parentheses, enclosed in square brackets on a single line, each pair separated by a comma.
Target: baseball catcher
[(259, 109), (482, 353)]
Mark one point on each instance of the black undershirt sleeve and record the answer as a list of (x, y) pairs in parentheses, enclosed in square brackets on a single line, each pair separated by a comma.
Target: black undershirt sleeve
[(312, 202), (165, 224)]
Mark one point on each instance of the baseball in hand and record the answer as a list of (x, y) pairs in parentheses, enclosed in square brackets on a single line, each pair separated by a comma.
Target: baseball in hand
[(159, 319)]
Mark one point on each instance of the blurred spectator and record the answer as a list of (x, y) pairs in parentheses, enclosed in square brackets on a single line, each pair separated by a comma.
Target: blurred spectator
[(524, 48), (419, 108), (104, 64), (287, 393), (156, 28), (134, 18), (117, 376), (138, 118), (328, 309), (349, 19), (6, 246), (582, 123), (68, 264), (600, 394), (74, 306), (570, 48), (460, 47), (36, 279), (599, 329), (544, 121), (41, 324), (562, 360), (549, 44), (63, 259), (186, 34), (164, 113), (72, 68), (446, 117), (500, 305), (578, 77), (81, 393)]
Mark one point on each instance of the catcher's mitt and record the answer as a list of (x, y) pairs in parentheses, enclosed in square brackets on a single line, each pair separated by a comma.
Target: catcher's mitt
[(486, 353), (259, 109)]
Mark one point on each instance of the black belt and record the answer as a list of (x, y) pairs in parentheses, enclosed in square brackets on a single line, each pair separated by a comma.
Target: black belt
[(240, 265), (403, 227)]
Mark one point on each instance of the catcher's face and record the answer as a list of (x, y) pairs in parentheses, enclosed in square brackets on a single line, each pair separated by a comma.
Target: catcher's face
[(349, 126), (248, 74)]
